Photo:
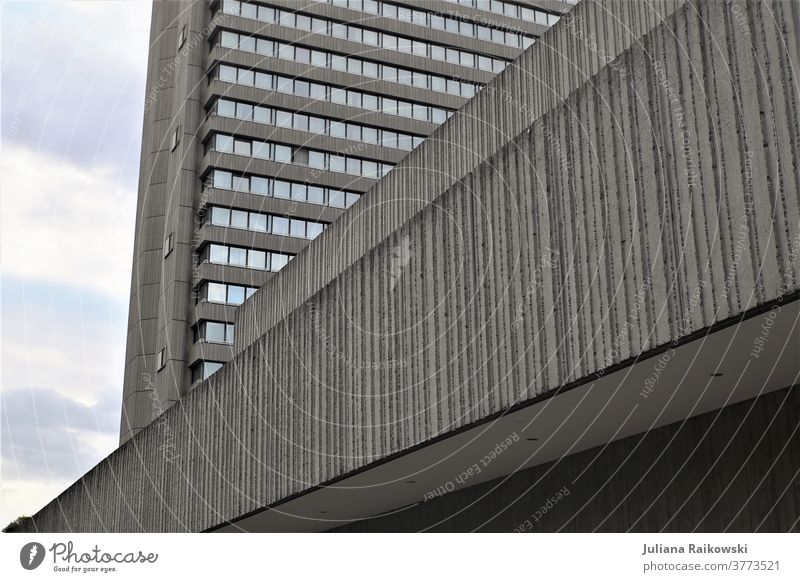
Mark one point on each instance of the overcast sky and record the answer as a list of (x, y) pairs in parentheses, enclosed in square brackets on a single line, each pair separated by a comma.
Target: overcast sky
[(73, 76)]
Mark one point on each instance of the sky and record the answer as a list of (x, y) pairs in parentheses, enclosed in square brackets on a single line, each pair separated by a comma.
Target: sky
[(72, 100)]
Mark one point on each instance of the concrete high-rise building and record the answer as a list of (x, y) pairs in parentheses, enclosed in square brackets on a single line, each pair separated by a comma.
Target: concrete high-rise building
[(574, 307), (263, 121)]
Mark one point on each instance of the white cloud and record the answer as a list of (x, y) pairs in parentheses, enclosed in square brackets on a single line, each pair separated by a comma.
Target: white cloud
[(64, 224), (73, 80), (79, 353), (48, 441), (73, 94)]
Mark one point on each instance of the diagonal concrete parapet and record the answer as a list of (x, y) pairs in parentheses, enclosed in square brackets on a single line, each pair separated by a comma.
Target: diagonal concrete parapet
[(585, 210), (588, 38)]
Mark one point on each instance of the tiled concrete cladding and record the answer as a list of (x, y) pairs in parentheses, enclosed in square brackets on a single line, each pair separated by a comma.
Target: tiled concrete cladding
[(465, 291)]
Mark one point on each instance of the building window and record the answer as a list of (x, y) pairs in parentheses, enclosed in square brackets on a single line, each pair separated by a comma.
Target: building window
[(203, 370), (282, 189), (241, 257), (161, 358), (217, 332), (352, 64), (176, 139), (335, 94), (182, 37), (168, 245), (288, 154), (225, 293)]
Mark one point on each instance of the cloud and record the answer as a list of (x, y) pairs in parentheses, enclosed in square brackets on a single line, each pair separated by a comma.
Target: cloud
[(48, 435), (48, 441), (64, 224), (73, 80), (65, 338), (73, 76)]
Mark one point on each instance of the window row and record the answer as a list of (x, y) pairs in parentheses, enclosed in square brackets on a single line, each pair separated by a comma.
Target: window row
[(270, 223), (436, 21), (224, 293), (513, 10), (317, 125), (282, 189), (241, 257), (217, 332), (265, 150), (362, 35), (332, 94), (356, 66), (203, 369)]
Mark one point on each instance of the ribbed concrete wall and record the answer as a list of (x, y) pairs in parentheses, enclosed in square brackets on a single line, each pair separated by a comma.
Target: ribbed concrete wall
[(162, 313), (666, 188), (561, 61), (161, 287)]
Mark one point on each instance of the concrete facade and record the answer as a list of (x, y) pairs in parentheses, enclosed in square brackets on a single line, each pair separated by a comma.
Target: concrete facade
[(569, 221), (170, 302)]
